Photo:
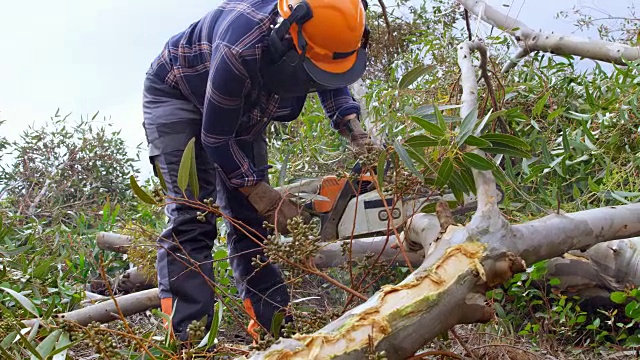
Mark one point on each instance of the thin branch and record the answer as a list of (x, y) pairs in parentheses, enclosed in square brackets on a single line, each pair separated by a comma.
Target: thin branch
[(120, 313), (513, 62), (387, 23), (464, 346), (466, 20), (34, 205), (436, 353), (487, 80)]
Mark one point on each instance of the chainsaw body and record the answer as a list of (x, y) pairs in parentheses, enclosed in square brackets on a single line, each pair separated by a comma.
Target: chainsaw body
[(354, 208)]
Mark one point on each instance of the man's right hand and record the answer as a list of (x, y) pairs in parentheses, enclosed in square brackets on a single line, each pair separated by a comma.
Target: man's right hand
[(273, 206)]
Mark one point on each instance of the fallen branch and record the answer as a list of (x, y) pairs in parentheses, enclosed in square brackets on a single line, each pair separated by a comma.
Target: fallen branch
[(449, 287), (106, 311)]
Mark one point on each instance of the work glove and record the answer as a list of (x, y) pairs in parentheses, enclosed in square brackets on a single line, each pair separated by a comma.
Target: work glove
[(277, 209), (359, 140)]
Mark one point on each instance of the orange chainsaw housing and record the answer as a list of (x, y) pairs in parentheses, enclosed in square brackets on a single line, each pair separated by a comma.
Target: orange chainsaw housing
[(330, 187)]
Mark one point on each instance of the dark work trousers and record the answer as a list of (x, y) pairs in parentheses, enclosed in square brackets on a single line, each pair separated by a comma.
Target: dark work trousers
[(170, 121)]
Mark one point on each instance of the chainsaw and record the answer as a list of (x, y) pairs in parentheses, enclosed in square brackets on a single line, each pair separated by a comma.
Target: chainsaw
[(353, 208)]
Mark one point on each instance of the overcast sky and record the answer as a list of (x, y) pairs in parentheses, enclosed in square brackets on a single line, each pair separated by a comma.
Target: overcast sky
[(84, 56)]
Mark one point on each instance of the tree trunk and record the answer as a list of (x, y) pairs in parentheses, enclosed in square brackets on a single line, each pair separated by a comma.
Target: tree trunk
[(449, 287)]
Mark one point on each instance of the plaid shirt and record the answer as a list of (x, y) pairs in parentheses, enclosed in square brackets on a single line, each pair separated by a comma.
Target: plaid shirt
[(215, 64)]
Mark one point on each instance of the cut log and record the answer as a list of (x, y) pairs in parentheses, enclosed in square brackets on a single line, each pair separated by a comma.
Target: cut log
[(134, 280), (113, 242)]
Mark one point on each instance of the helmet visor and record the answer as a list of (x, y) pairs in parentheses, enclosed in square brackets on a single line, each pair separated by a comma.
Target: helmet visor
[(329, 77)]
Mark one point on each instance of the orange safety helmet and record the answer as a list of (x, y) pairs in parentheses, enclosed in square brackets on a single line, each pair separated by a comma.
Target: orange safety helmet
[(332, 35)]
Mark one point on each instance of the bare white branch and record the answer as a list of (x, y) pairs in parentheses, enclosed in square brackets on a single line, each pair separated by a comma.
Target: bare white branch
[(487, 192), (531, 40)]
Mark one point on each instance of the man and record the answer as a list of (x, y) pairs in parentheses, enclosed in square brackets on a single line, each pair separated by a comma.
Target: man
[(222, 80)]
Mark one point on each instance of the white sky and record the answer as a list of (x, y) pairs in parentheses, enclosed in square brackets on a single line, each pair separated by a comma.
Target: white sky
[(84, 56)]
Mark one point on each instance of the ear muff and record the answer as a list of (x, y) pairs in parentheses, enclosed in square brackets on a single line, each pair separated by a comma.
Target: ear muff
[(279, 43)]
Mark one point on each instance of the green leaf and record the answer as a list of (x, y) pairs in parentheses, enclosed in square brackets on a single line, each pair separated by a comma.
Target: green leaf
[(46, 346), (565, 142), (444, 173), (537, 109), (432, 118), (413, 75), (141, 194), (163, 184), (212, 336), (114, 214), (576, 192), (467, 176), (276, 323), (501, 177), (590, 139), (420, 159), (215, 325), (478, 162), (402, 153), (185, 165), (8, 340), (220, 254), (422, 141), (63, 344), (557, 112), (26, 303), (506, 139), (42, 269), (590, 99), (546, 155), (632, 310), (429, 127), (105, 212), (27, 343), (440, 118), (501, 148), (473, 140), (618, 297), (423, 110), (193, 175), (466, 128), (382, 161), (457, 186)]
